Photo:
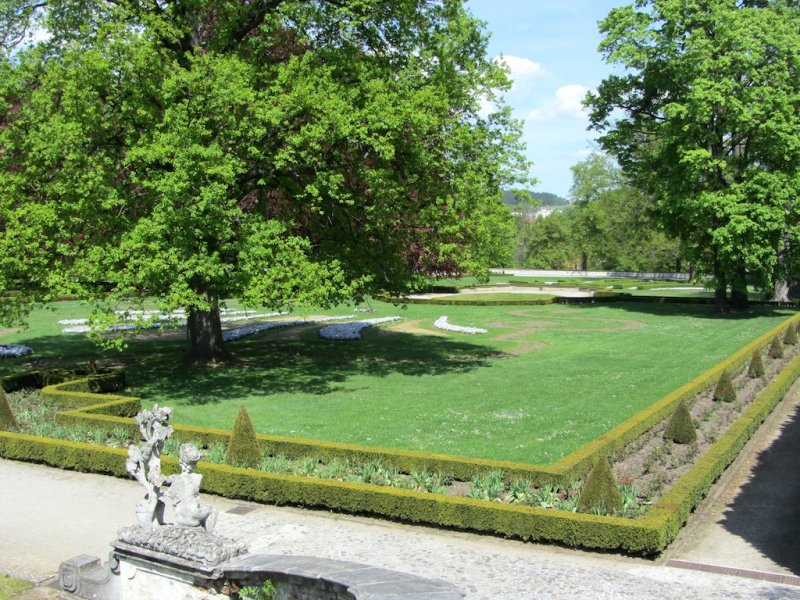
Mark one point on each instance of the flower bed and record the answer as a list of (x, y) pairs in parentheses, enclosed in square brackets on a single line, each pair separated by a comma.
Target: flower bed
[(14, 350), (443, 323), (352, 330)]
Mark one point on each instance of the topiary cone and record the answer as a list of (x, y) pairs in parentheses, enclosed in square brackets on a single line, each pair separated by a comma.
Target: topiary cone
[(756, 368), (7, 420), (600, 493), (724, 391), (680, 428), (243, 448), (775, 348), (790, 337)]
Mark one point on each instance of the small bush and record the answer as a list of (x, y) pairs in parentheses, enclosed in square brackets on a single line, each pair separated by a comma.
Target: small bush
[(775, 348), (243, 448), (7, 420), (790, 337), (600, 493), (724, 391), (680, 428), (756, 368)]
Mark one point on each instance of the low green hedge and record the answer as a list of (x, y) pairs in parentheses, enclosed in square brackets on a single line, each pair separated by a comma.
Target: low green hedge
[(649, 534)]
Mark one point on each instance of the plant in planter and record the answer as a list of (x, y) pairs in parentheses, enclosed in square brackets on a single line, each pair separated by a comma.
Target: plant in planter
[(600, 493), (775, 348), (756, 368), (724, 391), (243, 448), (7, 420), (680, 428)]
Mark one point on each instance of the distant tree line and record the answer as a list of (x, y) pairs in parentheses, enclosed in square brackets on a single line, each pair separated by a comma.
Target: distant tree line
[(607, 226)]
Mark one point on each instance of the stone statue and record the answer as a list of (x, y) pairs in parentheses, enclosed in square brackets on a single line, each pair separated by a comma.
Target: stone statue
[(144, 463), (184, 493), (190, 537)]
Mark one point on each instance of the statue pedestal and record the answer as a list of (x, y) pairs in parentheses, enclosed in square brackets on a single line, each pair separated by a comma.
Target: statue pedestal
[(149, 575)]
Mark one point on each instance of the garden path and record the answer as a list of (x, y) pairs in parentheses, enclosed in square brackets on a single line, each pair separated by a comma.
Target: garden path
[(52, 515)]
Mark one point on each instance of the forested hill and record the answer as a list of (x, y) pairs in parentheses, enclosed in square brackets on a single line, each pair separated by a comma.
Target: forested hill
[(546, 199)]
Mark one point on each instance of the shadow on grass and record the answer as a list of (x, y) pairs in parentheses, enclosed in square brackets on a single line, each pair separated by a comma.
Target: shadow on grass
[(764, 513), (266, 365), (697, 311)]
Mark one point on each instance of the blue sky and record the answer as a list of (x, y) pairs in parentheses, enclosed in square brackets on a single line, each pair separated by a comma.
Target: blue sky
[(551, 49)]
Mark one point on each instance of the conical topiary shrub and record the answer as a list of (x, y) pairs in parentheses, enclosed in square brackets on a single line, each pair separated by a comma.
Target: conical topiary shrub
[(790, 337), (775, 348), (680, 428), (756, 368), (243, 448), (7, 420), (724, 391), (600, 493)]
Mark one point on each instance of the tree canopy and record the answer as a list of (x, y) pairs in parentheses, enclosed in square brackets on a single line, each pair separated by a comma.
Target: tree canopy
[(705, 117), (608, 226), (282, 152)]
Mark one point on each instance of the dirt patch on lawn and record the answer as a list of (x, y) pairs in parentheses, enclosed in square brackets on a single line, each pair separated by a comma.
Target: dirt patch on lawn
[(410, 327)]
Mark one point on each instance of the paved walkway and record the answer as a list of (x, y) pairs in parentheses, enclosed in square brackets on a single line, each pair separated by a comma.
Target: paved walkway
[(51, 515)]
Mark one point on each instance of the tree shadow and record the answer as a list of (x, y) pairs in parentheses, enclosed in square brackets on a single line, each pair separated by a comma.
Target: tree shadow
[(764, 513), (267, 365), (697, 311)]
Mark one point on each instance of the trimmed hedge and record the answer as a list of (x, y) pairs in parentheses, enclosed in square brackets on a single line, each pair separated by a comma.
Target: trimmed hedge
[(647, 535)]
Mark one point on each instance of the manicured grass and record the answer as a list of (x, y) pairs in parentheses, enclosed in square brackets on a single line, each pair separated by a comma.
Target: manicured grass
[(11, 585), (543, 382)]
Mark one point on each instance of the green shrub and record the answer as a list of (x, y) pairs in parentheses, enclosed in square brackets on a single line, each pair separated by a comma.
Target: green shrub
[(756, 368), (600, 493), (7, 420), (243, 448), (724, 391), (107, 383), (775, 348), (680, 428), (790, 337)]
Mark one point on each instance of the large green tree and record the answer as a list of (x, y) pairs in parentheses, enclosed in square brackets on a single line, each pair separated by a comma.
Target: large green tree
[(277, 151), (705, 117)]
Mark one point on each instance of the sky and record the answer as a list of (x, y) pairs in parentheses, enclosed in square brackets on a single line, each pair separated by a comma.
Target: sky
[(550, 47)]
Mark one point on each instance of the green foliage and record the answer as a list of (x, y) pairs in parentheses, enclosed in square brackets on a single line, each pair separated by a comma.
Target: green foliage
[(282, 153), (608, 224), (756, 368), (680, 428), (790, 337), (600, 493), (724, 390), (698, 116), (7, 420), (775, 348), (251, 592), (243, 448)]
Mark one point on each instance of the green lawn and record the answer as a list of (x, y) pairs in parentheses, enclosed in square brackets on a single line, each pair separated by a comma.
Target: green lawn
[(543, 382)]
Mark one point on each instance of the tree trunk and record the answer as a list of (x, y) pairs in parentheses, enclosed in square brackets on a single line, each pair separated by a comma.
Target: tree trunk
[(720, 289), (678, 264), (739, 288), (205, 335), (584, 261)]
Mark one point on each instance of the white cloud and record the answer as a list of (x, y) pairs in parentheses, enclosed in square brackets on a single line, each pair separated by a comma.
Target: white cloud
[(569, 101), (566, 102), (522, 71)]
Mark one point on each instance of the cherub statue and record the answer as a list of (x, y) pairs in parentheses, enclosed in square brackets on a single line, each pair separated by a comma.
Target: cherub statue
[(184, 492), (144, 463)]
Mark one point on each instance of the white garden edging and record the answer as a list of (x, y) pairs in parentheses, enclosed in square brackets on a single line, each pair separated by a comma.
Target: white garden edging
[(442, 323)]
